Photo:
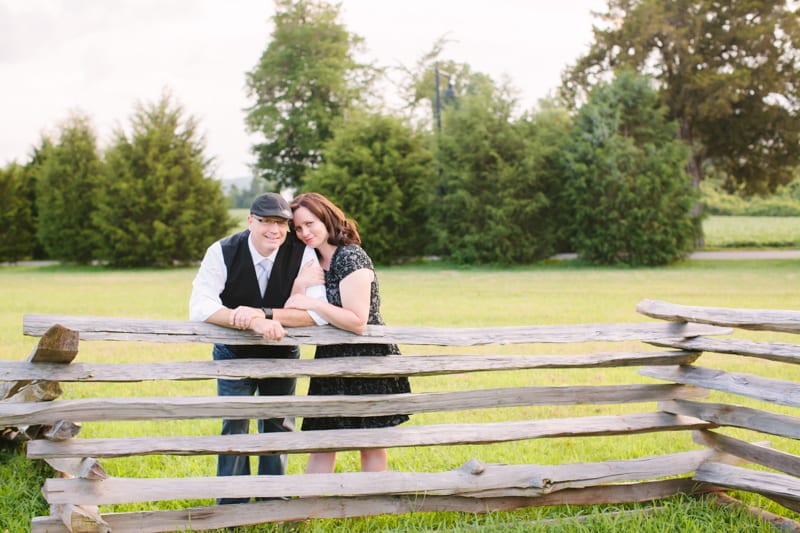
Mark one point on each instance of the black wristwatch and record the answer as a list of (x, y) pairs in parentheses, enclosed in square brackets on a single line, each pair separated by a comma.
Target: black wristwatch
[(267, 312)]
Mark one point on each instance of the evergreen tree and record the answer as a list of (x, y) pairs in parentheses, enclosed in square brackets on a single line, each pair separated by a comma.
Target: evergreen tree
[(30, 173), (380, 173), (16, 216), (626, 178), (159, 205), (530, 222), (490, 202), (66, 186)]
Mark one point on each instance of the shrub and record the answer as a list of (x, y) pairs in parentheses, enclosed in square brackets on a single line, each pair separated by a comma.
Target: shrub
[(626, 182), (16, 219), (379, 172)]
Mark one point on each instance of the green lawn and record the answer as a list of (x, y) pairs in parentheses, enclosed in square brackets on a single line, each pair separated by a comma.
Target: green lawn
[(432, 295), (752, 232)]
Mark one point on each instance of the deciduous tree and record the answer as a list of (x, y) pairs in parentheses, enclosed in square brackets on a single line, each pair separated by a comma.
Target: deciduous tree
[(301, 85), (728, 72)]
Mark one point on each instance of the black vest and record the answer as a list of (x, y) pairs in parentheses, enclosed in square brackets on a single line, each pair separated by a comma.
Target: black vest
[(241, 286)]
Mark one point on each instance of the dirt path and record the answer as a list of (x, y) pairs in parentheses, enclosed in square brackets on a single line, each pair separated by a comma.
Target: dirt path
[(726, 254), (747, 254)]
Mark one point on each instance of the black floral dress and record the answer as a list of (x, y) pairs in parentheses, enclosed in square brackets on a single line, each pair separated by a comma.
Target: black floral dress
[(345, 261)]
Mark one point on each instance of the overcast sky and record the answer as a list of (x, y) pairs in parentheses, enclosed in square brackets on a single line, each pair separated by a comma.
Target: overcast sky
[(100, 57)]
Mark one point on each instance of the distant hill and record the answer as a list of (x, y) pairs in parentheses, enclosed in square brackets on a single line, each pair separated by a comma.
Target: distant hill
[(241, 183)]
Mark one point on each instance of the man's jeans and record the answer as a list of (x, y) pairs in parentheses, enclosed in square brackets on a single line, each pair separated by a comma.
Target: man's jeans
[(239, 465)]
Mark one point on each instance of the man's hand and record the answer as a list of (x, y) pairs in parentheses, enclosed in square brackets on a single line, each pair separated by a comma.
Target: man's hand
[(271, 330), (243, 316)]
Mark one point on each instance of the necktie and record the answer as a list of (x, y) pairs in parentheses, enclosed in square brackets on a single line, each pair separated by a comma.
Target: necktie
[(261, 273)]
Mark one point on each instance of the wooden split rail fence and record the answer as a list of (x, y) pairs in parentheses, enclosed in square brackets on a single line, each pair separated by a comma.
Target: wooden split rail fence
[(27, 389)]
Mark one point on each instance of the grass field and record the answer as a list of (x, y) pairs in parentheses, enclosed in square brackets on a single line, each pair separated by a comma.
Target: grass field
[(752, 232), (429, 295)]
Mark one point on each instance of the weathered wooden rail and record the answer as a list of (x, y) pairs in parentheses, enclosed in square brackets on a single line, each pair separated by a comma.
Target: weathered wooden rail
[(669, 352)]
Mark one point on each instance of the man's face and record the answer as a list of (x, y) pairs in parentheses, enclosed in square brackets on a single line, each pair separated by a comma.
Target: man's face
[(268, 233)]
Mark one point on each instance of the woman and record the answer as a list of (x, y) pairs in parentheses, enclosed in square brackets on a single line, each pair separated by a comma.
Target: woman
[(352, 303)]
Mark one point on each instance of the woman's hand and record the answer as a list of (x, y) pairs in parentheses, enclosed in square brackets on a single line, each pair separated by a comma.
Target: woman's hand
[(311, 274)]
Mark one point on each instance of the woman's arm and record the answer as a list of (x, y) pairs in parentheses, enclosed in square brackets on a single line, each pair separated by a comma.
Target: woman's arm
[(353, 315)]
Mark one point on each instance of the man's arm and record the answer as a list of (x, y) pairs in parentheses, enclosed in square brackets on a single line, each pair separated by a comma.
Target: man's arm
[(205, 305), (207, 286), (243, 318)]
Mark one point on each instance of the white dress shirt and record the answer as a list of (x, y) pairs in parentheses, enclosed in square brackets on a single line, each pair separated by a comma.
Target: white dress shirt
[(210, 281)]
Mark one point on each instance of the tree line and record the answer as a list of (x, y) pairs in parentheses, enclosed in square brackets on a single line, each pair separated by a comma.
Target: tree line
[(669, 96), (146, 200)]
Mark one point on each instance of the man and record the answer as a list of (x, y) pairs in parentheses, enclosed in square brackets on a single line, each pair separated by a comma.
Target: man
[(243, 282)]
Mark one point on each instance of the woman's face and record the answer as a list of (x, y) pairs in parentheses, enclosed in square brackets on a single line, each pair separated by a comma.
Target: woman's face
[(310, 229)]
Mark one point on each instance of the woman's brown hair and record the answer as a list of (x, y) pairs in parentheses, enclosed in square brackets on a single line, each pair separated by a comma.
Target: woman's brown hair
[(341, 230)]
